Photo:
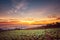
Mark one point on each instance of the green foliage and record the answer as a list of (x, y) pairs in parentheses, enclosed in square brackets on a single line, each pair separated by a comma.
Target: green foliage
[(41, 34)]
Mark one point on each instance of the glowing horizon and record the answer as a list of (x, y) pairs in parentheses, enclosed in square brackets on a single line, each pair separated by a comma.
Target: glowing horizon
[(31, 21)]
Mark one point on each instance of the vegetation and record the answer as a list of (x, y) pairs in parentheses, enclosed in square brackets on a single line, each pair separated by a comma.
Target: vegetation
[(41, 34)]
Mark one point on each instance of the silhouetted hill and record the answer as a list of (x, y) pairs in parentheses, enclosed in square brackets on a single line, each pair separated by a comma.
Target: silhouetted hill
[(53, 25)]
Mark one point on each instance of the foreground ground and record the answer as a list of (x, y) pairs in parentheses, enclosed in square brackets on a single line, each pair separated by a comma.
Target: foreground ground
[(41, 34)]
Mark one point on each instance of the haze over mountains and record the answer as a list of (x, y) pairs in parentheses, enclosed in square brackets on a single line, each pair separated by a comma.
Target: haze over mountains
[(22, 26)]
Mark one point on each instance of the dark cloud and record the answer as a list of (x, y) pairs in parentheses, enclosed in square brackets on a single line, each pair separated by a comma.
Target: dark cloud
[(58, 18)]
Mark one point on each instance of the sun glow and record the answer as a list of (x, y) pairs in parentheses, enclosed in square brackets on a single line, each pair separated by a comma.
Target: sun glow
[(27, 21)]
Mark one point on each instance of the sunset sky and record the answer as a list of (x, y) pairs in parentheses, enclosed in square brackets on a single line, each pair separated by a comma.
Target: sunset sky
[(30, 11)]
